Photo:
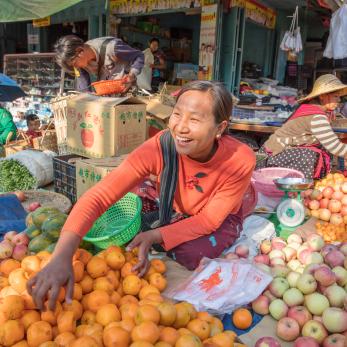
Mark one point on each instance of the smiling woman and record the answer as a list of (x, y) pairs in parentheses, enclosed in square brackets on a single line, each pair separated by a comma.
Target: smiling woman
[(202, 175)]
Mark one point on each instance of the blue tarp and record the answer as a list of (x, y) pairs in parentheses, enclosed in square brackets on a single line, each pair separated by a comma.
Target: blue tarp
[(12, 214)]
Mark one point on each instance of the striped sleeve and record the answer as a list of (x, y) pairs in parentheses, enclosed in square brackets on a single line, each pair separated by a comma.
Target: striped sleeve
[(322, 131)]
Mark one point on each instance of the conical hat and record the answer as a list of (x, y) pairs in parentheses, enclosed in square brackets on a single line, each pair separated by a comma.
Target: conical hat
[(326, 84)]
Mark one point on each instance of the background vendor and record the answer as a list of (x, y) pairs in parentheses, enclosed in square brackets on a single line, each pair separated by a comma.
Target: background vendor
[(213, 173), (104, 58), (8, 130), (306, 140), (159, 65)]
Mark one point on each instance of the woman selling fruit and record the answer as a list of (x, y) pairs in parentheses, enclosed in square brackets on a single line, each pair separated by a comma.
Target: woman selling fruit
[(305, 139), (202, 173)]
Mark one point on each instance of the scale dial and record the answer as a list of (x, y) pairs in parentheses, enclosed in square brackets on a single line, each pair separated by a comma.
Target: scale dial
[(290, 213)]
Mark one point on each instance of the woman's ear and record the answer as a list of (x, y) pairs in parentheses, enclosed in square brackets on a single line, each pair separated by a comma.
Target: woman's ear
[(221, 127)]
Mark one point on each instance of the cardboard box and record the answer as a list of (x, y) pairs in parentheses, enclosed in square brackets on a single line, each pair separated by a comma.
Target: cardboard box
[(91, 171), (157, 117), (102, 127)]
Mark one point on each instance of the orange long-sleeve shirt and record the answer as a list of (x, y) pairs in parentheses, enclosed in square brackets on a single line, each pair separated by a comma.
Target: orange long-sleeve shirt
[(208, 200)]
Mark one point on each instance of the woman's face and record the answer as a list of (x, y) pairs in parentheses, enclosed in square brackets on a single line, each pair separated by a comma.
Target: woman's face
[(193, 126), (330, 101)]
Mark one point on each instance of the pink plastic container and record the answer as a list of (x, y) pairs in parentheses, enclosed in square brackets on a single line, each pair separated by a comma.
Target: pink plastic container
[(263, 179)]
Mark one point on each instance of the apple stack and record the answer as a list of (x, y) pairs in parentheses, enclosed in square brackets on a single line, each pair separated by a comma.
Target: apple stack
[(307, 295), (328, 201)]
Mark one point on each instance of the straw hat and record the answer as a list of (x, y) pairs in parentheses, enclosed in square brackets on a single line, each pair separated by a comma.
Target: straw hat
[(326, 84)]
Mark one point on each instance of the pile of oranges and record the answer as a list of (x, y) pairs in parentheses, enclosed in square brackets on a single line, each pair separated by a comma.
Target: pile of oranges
[(331, 232), (111, 307)]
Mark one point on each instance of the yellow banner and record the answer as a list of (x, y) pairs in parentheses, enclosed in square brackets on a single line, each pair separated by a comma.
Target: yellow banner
[(257, 12), (42, 22)]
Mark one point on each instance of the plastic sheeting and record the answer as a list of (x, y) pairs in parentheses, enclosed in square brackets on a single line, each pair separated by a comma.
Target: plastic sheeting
[(22, 10), (12, 214)]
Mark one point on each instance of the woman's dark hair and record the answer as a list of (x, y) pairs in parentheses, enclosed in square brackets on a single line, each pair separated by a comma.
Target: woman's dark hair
[(222, 99), (66, 49), (31, 118), (154, 39)]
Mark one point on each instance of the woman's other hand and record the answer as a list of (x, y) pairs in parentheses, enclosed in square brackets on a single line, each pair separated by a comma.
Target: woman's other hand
[(57, 273), (49, 280), (144, 242)]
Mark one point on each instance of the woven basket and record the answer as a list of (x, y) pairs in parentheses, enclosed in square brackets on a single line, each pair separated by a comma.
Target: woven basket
[(110, 87), (47, 199), (22, 142), (46, 142), (118, 225)]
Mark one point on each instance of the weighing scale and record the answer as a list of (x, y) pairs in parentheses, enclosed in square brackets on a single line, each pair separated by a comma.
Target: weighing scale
[(291, 211)]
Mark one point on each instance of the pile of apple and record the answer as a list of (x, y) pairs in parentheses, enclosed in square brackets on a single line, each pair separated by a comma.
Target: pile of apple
[(328, 201), (307, 295), (14, 245)]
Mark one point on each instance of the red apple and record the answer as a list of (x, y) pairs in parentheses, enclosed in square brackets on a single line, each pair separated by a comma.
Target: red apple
[(266, 247), (261, 305), (324, 276), (324, 214), (314, 205), (278, 243), (334, 258), (328, 192), (262, 258), (334, 340), (326, 249), (314, 329), (307, 193), (306, 342), (300, 314), (334, 206), (344, 187), (21, 239), (316, 195), (288, 329), (344, 200), (343, 210), (335, 319), (242, 251), (337, 196), (324, 203), (267, 342), (34, 206)]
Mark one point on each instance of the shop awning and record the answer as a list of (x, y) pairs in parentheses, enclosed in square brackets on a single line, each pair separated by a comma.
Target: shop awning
[(23, 10)]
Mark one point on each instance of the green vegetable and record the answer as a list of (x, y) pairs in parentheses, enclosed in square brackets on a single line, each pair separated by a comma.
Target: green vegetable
[(15, 176)]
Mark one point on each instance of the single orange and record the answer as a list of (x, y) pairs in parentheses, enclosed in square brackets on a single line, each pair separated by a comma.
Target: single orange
[(242, 318)]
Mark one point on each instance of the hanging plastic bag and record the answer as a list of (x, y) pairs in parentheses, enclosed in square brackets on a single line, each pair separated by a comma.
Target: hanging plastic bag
[(292, 38), (144, 79), (219, 286), (336, 47)]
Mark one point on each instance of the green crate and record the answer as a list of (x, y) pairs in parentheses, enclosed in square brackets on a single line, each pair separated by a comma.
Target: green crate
[(118, 225)]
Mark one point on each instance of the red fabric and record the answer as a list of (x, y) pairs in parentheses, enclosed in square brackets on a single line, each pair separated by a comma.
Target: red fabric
[(307, 110), (33, 133)]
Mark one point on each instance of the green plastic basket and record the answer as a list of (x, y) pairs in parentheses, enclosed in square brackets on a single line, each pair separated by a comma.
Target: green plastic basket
[(118, 225)]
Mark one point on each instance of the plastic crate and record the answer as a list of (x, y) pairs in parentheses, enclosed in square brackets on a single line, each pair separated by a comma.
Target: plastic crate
[(64, 170)]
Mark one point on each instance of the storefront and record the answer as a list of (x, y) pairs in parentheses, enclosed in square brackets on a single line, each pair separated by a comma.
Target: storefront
[(186, 30)]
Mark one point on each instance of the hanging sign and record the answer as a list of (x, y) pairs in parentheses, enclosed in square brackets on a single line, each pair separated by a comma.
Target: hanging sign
[(42, 22), (208, 31), (257, 12), (146, 6), (33, 39)]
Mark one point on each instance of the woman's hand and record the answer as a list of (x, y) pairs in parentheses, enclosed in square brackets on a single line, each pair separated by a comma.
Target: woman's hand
[(144, 242), (57, 273), (49, 280)]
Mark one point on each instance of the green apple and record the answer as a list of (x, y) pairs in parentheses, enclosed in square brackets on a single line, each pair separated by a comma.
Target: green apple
[(316, 303)]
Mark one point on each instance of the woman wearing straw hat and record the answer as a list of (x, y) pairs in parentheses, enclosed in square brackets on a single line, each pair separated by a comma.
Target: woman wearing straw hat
[(306, 139)]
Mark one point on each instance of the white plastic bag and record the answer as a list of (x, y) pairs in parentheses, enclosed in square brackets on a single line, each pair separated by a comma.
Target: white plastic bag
[(292, 38), (337, 42), (144, 79), (219, 286)]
